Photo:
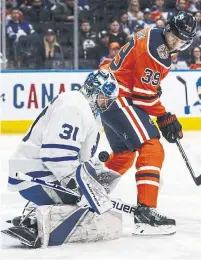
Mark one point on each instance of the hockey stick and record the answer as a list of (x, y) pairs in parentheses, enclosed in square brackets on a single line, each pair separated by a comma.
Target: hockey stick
[(118, 205), (24, 177), (197, 180), (187, 107)]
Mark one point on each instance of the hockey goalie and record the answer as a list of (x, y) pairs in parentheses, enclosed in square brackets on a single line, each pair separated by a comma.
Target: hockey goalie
[(59, 149)]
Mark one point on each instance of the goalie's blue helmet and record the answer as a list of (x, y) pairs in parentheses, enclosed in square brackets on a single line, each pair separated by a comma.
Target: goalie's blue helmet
[(183, 25), (100, 82)]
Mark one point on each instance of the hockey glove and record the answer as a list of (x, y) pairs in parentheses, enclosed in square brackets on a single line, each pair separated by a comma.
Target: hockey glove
[(170, 127), (105, 176), (159, 91)]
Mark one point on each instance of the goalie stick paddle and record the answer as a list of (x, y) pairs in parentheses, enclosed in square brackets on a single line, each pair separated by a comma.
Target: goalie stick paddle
[(24, 177), (118, 205), (197, 180)]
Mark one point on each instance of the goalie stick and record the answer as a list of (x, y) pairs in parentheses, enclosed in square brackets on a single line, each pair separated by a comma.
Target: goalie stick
[(118, 205), (197, 180)]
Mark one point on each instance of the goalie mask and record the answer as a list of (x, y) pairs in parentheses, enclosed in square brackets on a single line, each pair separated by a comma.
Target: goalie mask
[(101, 89), (183, 26)]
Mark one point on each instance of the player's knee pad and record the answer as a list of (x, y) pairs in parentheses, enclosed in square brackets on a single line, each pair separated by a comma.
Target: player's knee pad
[(69, 223), (121, 162), (151, 153)]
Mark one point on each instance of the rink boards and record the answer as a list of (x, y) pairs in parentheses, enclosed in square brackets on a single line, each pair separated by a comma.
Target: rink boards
[(24, 94)]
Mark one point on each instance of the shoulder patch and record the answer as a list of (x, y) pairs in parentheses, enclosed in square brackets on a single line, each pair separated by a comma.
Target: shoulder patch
[(157, 47), (141, 34), (163, 51)]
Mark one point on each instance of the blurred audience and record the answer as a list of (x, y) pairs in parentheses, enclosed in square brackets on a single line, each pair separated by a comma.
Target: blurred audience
[(87, 37), (64, 11), (102, 23), (134, 12), (160, 23), (196, 58), (115, 35), (17, 27), (103, 44), (148, 21), (198, 19), (53, 54), (10, 5), (37, 12), (182, 5), (194, 6), (114, 48), (124, 23)]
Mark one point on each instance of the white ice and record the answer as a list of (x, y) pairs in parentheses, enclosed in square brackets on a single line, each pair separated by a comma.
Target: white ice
[(179, 198)]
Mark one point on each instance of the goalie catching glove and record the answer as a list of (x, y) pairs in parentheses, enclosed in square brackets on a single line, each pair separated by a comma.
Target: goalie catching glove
[(170, 127)]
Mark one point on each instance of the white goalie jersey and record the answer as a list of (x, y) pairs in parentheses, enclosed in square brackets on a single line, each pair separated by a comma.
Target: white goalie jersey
[(65, 134)]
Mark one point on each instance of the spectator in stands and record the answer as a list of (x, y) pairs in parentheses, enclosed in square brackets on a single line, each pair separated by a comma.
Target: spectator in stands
[(134, 12), (124, 23), (170, 5), (23, 5), (182, 5), (37, 12), (148, 21), (139, 25), (10, 4), (83, 5), (29, 52), (196, 58), (198, 19), (115, 35), (194, 6), (87, 37), (103, 44), (114, 48), (53, 54), (17, 27), (64, 12), (160, 23), (145, 4), (159, 7)]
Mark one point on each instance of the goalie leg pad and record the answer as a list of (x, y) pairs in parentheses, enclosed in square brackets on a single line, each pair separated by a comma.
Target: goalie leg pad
[(66, 223)]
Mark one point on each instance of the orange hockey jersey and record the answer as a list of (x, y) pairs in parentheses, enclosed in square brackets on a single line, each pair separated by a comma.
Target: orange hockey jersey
[(140, 66)]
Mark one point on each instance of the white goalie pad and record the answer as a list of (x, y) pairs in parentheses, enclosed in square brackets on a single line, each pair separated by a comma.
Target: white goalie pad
[(59, 224)]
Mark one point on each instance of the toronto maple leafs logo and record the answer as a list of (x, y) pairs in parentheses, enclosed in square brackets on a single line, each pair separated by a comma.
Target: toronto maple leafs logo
[(94, 148)]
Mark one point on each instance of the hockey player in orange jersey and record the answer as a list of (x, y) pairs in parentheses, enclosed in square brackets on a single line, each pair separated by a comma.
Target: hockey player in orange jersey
[(139, 68)]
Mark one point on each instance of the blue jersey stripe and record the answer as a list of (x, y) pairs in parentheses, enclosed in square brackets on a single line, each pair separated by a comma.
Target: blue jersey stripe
[(39, 174), (14, 181), (60, 159), (61, 146)]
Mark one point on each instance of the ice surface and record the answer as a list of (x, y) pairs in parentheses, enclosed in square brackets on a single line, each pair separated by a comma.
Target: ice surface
[(179, 198)]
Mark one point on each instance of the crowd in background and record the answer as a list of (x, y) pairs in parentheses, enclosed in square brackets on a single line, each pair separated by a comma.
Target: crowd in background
[(40, 32)]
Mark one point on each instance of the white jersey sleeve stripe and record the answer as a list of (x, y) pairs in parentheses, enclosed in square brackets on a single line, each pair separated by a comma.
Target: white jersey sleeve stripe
[(61, 146)]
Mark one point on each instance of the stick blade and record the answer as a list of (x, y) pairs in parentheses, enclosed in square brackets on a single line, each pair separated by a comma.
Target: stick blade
[(181, 80), (198, 180)]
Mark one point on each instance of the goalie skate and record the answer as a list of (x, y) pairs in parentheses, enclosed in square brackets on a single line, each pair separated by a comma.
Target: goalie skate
[(27, 236), (149, 222)]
